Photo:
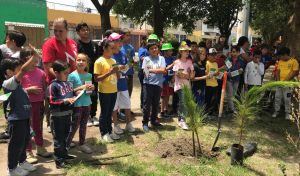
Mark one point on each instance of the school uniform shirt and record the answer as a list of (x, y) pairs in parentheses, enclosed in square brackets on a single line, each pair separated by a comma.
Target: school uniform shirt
[(182, 65), (212, 82), (79, 80), (170, 73), (55, 50), (287, 68), (122, 60), (236, 65), (109, 84), (19, 103), (34, 78), (253, 73), (130, 53), (199, 72), (143, 52), (91, 49), (155, 63), (265, 59)]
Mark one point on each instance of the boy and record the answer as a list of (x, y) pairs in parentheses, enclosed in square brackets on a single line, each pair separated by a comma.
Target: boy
[(194, 48), (90, 48), (211, 90), (208, 44), (14, 41), (233, 80), (153, 69), (167, 90), (61, 97), (287, 69), (254, 71), (19, 115), (123, 99)]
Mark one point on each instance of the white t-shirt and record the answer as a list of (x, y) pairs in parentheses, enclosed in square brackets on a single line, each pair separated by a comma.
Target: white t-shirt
[(16, 55), (253, 73), (242, 51)]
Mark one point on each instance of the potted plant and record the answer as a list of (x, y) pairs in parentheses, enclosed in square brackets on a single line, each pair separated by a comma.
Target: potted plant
[(247, 107)]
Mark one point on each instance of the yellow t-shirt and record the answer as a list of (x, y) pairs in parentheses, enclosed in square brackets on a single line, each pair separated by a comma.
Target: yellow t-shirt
[(212, 82), (287, 68), (109, 84)]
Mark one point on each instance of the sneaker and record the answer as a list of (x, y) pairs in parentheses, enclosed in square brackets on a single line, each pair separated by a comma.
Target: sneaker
[(114, 136), (234, 111), (178, 123), (72, 144), (48, 129), (275, 114), (183, 125), (130, 128), (42, 151), (27, 166), (287, 116), (4, 135), (90, 122), (118, 130), (156, 124), (69, 159), (145, 128), (30, 158), (85, 149), (121, 118), (17, 172), (95, 121), (164, 115), (107, 138), (172, 113), (62, 166)]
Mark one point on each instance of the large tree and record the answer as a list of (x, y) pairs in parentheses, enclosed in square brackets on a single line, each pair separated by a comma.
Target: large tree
[(222, 14), (269, 18), (104, 10), (161, 14)]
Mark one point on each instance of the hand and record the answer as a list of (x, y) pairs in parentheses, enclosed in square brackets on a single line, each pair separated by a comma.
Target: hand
[(175, 62), (207, 77), (78, 91), (90, 87), (240, 69), (113, 70), (33, 50), (131, 66), (246, 87), (165, 73), (34, 89), (172, 80), (71, 100), (1, 103), (149, 67), (215, 73)]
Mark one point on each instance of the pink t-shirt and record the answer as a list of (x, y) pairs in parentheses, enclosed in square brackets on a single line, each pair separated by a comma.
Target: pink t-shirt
[(182, 65), (34, 78)]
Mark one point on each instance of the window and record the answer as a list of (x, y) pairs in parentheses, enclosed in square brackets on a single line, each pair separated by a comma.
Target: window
[(131, 26), (71, 33), (210, 26)]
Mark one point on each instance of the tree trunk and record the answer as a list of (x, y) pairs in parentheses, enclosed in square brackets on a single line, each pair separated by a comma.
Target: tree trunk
[(194, 150), (105, 20), (157, 21), (291, 35)]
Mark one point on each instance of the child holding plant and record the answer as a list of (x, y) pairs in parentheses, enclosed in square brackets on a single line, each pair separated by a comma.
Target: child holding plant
[(184, 71), (287, 69), (254, 71), (211, 90), (233, 78), (199, 81)]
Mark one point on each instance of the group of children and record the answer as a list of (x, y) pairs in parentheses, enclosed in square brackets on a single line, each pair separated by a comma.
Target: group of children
[(161, 75)]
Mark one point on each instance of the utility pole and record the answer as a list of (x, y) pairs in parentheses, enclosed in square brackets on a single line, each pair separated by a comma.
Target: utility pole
[(243, 22)]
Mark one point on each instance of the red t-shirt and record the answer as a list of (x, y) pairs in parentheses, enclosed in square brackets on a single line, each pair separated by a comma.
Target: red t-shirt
[(221, 62), (55, 50)]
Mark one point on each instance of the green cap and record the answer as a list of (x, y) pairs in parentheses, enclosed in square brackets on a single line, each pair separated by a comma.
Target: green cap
[(167, 46), (184, 46), (153, 37)]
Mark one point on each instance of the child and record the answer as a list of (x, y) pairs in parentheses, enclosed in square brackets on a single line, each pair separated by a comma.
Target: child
[(34, 83), (211, 90), (167, 50), (233, 80), (19, 115), (265, 58), (194, 49), (142, 54), (61, 98), (153, 69), (254, 71), (182, 63), (123, 99), (106, 75), (199, 81), (82, 106), (14, 41), (287, 69)]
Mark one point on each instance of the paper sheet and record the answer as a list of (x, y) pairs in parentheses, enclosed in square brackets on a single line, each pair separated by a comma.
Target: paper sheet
[(228, 63), (124, 71), (88, 81), (235, 73), (4, 97), (147, 71), (221, 73)]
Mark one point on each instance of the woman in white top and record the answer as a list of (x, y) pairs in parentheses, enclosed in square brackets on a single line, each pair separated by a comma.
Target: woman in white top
[(243, 43), (224, 42)]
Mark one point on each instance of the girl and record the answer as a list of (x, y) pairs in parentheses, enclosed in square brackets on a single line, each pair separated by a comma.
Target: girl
[(108, 78), (82, 106), (182, 63), (199, 81), (34, 83)]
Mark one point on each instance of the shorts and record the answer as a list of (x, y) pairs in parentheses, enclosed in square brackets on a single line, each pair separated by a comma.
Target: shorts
[(166, 90), (123, 100)]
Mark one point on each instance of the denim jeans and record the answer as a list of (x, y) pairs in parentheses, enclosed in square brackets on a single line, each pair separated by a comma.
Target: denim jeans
[(107, 104), (181, 109), (60, 126), (199, 95)]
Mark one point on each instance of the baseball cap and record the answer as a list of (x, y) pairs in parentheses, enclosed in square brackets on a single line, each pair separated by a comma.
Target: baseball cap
[(212, 51), (115, 36)]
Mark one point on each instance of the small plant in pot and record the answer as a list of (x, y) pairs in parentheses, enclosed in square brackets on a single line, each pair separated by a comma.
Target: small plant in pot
[(247, 108)]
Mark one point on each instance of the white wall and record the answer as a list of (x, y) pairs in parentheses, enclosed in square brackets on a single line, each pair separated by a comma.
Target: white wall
[(205, 29)]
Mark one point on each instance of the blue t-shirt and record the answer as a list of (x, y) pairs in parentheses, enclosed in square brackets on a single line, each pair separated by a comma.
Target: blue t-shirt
[(122, 60), (170, 73), (19, 103), (79, 80), (143, 52), (129, 52), (265, 59), (155, 63)]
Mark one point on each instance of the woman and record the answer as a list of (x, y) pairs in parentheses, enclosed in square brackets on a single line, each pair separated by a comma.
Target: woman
[(226, 48), (58, 47)]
